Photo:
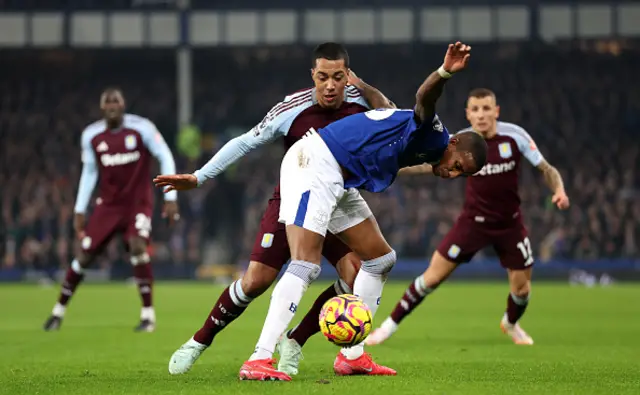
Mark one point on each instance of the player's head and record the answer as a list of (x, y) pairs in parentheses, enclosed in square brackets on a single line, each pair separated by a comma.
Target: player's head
[(330, 72), (465, 156), (483, 111), (112, 105)]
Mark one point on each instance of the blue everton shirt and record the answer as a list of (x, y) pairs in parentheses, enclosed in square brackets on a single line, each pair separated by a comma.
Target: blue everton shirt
[(374, 145)]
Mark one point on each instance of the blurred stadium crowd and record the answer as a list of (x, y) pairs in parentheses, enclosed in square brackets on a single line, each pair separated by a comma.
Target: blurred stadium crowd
[(580, 103)]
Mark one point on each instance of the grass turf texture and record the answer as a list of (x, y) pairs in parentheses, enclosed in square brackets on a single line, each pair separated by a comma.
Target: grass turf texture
[(587, 342)]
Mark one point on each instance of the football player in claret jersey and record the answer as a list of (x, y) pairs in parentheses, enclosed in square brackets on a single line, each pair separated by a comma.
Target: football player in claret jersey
[(337, 93), (491, 216), (116, 155), (319, 180)]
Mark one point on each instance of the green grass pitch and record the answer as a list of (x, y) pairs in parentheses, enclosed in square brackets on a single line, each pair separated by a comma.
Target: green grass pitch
[(587, 342)]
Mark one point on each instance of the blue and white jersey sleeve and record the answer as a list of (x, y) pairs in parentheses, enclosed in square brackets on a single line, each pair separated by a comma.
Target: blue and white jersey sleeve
[(158, 147), (526, 145), (89, 177), (275, 124)]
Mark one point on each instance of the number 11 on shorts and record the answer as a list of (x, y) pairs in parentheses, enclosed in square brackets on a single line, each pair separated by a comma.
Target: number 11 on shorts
[(525, 248)]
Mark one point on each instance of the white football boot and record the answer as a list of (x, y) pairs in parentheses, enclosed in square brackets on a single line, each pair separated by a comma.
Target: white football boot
[(183, 359), (290, 355), (517, 334)]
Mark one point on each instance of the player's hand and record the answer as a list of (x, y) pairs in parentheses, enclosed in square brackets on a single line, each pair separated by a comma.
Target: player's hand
[(353, 79), (78, 225), (457, 57), (170, 211), (176, 182), (561, 200)]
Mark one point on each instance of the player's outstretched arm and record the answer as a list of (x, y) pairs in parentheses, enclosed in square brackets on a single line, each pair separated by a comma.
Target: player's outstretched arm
[(553, 179), (268, 130), (233, 150), (265, 132), (455, 60), (372, 95)]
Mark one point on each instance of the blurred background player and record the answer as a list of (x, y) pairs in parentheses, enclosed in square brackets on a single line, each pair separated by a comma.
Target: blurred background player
[(117, 151), (491, 216), (320, 177), (330, 99)]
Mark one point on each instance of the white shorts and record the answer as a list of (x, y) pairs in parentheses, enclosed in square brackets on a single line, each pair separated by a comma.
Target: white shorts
[(312, 190)]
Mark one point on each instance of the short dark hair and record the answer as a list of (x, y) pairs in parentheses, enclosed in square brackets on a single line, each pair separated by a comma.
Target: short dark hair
[(330, 51), (473, 143), (482, 92), (110, 90)]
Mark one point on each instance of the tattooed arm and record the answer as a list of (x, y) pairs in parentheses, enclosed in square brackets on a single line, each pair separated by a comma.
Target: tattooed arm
[(553, 179)]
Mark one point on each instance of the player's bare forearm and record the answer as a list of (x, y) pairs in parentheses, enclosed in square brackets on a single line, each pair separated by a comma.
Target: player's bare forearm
[(552, 177), (424, 168), (428, 95), (455, 60), (373, 96)]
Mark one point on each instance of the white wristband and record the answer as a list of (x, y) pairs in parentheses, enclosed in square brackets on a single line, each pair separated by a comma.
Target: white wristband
[(444, 73)]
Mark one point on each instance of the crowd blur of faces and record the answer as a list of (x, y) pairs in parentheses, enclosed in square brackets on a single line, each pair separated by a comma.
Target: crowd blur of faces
[(582, 108)]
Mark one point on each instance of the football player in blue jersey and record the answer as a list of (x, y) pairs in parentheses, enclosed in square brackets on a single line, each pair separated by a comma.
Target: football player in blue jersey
[(320, 177)]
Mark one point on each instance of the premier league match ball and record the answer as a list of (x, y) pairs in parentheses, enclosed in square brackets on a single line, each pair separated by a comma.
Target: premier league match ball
[(345, 320)]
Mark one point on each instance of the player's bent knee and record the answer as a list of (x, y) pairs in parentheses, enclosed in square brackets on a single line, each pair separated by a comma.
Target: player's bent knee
[(137, 246), (438, 271), (257, 279), (521, 290), (85, 258), (520, 282), (307, 271), (381, 265), (348, 268)]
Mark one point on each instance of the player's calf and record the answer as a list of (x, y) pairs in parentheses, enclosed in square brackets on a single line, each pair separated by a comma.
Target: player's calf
[(518, 299), (73, 277), (143, 276), (438, 271), (517, 302)]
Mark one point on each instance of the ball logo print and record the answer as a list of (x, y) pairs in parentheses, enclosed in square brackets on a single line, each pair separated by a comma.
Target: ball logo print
[(345, 320)]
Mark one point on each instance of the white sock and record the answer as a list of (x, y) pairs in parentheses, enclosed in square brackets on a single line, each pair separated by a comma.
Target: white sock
[(389, 325), (148, 313), (285, 299), (192, 342), (368, 286), (238, 297), (354, 352), (59, 310)]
